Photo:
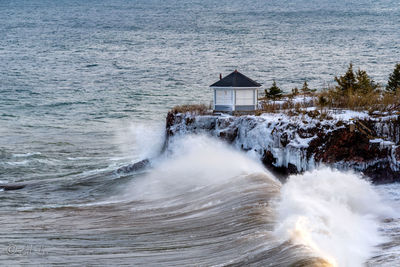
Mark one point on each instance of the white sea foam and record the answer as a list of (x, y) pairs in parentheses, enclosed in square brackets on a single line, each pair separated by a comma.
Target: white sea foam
[(140, 140), (26, 155), (18, 163), (335, 214), (193, 162)]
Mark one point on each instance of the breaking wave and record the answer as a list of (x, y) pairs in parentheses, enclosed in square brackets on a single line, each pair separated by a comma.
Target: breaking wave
[(192, 163), (203, 203), (324, 217), (335, 214)]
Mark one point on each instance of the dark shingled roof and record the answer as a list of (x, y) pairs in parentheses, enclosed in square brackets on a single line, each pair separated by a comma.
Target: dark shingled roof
[(236, 79)]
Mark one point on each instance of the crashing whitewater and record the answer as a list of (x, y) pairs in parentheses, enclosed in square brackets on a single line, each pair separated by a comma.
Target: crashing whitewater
[(203, 203), (208, 191)]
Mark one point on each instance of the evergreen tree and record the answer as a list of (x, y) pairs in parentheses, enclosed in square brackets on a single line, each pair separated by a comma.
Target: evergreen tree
[(274, 92), (305, 89), (295, 91), (364, 84), (347, 82), (394, 79)]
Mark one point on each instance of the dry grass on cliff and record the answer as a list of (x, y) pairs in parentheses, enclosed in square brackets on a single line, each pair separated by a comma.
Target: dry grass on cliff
[(381, 101), (331, 99), (197, 109), (287, 104), (392, 101)]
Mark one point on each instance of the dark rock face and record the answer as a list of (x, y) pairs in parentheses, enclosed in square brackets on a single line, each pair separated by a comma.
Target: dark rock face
[(397, 154), (281, 172), (268, 159), (288, 145), (355, 149), (229, 135), (170, 122), (381, 173), (284, 139), (344, 145)]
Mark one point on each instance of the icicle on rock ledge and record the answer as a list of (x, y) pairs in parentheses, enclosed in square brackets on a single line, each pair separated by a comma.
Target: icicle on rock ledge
[(292, 144)]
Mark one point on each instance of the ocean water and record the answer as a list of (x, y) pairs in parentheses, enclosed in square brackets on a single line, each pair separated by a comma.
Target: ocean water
[(84, 90)]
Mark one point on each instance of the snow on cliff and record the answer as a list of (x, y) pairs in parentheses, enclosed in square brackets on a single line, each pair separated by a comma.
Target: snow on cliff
[(290, 144)]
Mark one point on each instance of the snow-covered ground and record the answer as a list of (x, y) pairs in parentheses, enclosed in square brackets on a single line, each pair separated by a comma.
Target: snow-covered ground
[(287, 138)]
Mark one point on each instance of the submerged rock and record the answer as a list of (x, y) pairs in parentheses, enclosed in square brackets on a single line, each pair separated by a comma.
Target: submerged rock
[(9, 187), (293, 144), (134, 167)]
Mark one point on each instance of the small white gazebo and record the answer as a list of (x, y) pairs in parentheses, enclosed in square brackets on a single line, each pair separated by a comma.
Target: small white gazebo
[(235, 92)]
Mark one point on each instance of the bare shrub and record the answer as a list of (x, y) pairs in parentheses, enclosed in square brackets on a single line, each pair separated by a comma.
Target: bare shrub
[(270, 107), (198, 109)]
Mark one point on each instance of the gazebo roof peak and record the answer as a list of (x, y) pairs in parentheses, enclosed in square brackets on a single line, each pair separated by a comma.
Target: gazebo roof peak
[(235, 79)]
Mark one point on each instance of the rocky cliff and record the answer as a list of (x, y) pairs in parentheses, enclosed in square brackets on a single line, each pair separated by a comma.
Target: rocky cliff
[(288, 144)]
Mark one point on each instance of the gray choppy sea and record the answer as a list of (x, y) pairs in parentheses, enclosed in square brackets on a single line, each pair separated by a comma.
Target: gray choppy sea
[(85, 87)]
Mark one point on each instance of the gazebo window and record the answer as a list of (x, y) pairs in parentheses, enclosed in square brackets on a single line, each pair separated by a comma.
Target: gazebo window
[(244, 97), (224, 97)]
